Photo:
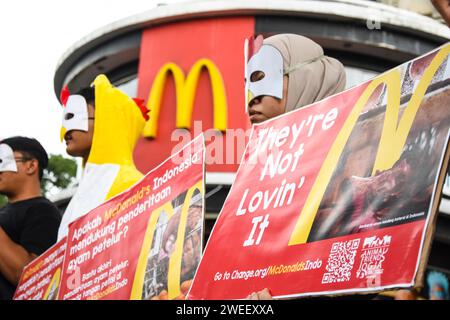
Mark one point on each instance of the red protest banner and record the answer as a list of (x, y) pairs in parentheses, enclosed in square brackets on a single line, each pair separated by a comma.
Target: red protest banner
[(339, 197), (144, 243), (40, 279)]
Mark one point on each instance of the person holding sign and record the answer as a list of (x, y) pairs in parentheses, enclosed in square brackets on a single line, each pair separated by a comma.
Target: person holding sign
[(283, 73), (29, 222), (287, 192), (100, 125), (286, 72)]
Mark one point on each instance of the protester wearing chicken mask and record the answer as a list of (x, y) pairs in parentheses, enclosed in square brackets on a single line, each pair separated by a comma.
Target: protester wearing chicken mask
[(286, 72), (101, 124)]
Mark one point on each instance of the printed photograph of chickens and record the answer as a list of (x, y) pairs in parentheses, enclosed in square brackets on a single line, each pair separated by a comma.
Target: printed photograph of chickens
[(356, 200)]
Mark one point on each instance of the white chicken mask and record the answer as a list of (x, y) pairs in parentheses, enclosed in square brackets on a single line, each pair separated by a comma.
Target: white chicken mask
[(267, 62), (7, 161), (75, 115)]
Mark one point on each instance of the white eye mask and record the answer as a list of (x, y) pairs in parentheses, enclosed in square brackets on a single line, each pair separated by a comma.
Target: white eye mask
[(269, 61), (7, 161), (75, 116)]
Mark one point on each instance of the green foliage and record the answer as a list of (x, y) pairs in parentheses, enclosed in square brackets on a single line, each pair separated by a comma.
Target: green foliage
[(3, 200), (60, 173)]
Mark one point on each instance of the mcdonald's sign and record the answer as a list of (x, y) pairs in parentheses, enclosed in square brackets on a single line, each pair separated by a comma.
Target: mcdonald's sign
[(192, 72), (186, 89)]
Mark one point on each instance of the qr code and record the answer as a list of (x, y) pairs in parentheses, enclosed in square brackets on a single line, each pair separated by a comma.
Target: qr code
[(341, 261)]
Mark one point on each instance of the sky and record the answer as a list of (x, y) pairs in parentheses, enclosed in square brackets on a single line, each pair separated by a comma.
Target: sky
[(34, 36)]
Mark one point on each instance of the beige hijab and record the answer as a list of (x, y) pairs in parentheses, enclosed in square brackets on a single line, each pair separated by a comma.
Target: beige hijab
[(312, 75)]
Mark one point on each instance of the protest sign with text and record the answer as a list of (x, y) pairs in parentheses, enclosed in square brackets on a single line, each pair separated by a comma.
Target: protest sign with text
[(144, 243), (40, 279), (338, 197)]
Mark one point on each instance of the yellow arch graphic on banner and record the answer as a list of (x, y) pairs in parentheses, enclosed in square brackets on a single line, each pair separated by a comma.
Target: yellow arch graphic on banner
[(55, 281), (392, 141), (185, 89), (174, 274)]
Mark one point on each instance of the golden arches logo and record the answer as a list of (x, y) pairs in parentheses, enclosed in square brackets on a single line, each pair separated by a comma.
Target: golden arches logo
[(393, 138), (185, 90), (52, 291), (175, 261)]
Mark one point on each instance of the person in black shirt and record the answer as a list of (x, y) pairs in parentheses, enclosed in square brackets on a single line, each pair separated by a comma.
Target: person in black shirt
[(29, 222)]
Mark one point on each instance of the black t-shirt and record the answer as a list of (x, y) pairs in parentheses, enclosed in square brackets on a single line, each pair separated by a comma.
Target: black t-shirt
[(32, 224)]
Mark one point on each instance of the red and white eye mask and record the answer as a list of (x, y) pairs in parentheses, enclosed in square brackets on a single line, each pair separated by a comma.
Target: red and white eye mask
[(75, 115), (7, 161), (263, 70)]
